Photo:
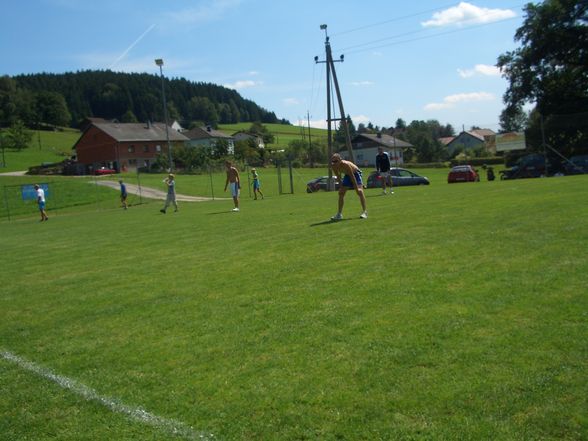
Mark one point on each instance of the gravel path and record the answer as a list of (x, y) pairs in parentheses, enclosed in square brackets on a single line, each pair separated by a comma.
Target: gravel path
[(152, 193)]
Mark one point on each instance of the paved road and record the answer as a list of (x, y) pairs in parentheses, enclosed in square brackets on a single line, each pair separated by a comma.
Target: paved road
[(15, 173), (152, 193)]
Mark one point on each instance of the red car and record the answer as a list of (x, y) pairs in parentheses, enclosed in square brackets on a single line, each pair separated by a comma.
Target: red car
[(463, 173), (105, 171)]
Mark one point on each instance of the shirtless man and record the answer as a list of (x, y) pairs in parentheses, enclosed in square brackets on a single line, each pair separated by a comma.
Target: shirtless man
[(352, 179), (235, 181)]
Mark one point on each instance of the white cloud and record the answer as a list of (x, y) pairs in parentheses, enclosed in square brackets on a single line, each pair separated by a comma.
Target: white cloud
[(362, 83), (290, 101), (479, 69), (207, 11), (466, 13), (253, 73), (243, 84), (322, 123), (317, 124), (450, 101), (358, 119)]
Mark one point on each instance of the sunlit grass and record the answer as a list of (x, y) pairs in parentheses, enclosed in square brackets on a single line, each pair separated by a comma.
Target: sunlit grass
[(452, 312)]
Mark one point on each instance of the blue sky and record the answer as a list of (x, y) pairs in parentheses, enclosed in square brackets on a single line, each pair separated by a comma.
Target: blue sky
[(411, 60)]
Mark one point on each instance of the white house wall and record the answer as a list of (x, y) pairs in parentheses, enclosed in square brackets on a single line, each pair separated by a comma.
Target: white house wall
[(367, 157)]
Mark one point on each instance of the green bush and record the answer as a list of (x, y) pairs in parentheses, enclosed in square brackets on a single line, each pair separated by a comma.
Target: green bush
[(477, 161), (426, 165)]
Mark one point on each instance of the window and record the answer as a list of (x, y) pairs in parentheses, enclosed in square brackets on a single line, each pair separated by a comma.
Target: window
[(157, 148), (131, 149), (145, 148)]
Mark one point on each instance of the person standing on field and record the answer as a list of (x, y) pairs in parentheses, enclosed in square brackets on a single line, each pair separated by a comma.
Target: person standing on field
[(383, 169), (41, 202), (235, 182), (256, 184), (171, 193), (352, 179), (123, 194)]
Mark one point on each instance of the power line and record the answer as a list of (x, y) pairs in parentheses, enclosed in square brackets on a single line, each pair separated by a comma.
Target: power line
[(361, 28), (416, 31), (439, 34)]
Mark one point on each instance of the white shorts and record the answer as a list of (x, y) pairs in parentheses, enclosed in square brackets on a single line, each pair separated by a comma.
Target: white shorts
[(234, 189), (384, 174)]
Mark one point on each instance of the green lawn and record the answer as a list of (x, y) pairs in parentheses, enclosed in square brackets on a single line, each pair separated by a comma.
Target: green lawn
[(283, 134), (455, 312), (45, 146)]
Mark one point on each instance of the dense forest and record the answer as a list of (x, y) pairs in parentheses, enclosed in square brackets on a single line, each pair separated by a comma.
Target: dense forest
[(66, 99)]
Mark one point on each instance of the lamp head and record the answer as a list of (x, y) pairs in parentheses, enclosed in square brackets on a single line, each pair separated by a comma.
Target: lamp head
[(159, 62)]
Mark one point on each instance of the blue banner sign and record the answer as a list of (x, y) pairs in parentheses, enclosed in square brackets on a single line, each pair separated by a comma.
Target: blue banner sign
[(28, 191)]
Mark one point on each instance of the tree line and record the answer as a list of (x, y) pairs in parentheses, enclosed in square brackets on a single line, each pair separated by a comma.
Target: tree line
[(67, 99)]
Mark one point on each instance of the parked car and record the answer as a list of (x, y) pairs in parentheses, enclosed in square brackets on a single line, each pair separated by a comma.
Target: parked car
[(578, 165), (320, 183), (528, 166), (104, 171), (398, 177), (463, 173)]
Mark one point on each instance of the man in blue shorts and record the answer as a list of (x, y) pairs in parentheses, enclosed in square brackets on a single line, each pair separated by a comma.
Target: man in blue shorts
[(352, 179), (235, 181), (41, 202)]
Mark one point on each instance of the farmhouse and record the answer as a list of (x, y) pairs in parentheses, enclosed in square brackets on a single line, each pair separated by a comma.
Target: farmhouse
[(244, 136), (124, 146), (365, 148), (468, 140), (208, 137)]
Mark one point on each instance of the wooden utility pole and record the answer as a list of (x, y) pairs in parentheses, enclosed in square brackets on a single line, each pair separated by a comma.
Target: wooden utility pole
[(331, 68), (309, 142)]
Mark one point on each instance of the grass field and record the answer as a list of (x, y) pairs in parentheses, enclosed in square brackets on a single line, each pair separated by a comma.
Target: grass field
[(45, 146), (283, 134), (455, 312)]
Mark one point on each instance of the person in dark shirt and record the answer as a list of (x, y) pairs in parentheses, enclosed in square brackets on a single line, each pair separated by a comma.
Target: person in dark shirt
[(123, 194), (383, 169)]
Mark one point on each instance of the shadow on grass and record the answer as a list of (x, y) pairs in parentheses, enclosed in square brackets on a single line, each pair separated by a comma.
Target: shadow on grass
[(327, 222), (220, 212)]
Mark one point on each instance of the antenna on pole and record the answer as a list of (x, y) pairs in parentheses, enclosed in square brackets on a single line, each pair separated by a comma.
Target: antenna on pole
[(331, 68)]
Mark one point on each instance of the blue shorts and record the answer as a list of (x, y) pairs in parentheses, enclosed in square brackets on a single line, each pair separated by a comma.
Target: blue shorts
[(41, 205), (256, 184), (234, 189), (347, 182)]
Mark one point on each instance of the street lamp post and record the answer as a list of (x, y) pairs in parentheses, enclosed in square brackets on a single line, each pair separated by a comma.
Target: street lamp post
[(159, 62)]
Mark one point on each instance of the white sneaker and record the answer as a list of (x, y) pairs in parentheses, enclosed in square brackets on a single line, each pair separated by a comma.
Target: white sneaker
[(235, 209), (391, 192), (384, 192), (363, 215), (337, 217)]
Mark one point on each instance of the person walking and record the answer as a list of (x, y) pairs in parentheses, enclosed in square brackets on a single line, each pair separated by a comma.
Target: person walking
[(256, 184), (123, 194), (235, 181), (383, 169), (41, 202), (171, 193), (352, 179)]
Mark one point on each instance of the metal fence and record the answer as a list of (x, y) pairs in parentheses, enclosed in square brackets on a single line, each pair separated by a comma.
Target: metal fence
[(67, 194)]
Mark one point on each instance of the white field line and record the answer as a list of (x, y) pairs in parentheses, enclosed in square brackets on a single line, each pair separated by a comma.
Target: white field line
[(170, 426)]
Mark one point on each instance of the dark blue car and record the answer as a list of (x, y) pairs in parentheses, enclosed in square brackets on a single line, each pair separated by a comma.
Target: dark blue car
[(399, 177)]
